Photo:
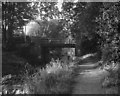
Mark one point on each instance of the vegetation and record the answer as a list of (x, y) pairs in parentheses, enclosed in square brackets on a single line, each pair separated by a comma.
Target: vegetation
[(108, 23), (78, 22), (14, 16), (107, 29), (56, 78)]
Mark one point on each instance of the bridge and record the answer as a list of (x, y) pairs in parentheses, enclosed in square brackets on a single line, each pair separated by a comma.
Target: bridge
[(45, 45)]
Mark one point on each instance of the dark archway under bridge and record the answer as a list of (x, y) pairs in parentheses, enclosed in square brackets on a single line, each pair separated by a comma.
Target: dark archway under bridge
[(45, 48)]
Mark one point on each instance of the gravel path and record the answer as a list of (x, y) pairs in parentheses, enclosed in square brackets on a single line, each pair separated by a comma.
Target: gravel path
[(89, 80)]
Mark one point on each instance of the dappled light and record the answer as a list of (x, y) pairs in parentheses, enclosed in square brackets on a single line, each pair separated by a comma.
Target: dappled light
[(60, 48), (31, 28)]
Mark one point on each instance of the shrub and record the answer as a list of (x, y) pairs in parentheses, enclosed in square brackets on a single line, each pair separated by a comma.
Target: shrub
[(55, 78), (111, 82)]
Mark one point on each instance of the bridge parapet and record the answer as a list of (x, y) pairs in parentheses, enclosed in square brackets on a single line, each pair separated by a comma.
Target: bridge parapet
[(39, 41)]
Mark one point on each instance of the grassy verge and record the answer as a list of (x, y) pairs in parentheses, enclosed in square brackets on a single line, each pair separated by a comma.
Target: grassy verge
[(55, 78)]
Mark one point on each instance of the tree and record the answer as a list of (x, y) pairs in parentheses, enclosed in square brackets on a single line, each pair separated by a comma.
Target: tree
[(13, 15), (44, 29), (50, 20), (81, 20), (108, 22)]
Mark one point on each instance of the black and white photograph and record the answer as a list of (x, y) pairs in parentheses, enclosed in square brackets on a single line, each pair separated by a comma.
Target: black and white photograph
[(59, 47)]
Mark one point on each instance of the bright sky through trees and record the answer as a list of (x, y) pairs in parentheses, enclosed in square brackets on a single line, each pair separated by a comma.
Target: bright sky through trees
[(59, 4), (30, 25)]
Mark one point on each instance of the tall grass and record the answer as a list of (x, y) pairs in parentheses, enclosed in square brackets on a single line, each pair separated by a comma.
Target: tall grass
[(55, 78)]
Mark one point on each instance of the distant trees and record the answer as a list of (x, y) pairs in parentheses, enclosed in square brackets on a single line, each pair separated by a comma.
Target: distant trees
[(81, 22), (13, 15), (52, 22), (45, 29)]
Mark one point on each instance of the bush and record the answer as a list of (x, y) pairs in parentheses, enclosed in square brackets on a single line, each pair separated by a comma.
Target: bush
[(54, 79), (111, 82)]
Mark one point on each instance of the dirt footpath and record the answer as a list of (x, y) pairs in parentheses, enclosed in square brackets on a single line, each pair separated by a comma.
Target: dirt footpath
[(89, 80)]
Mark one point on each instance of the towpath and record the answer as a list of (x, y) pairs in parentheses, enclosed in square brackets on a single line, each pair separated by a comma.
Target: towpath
[(89, 80)]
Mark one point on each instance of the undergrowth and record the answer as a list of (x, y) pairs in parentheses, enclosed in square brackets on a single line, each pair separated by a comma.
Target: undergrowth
[(112, 82), (55, 78)]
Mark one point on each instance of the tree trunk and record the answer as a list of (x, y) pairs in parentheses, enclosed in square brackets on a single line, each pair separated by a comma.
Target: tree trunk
[(10, 26), (4, 38)]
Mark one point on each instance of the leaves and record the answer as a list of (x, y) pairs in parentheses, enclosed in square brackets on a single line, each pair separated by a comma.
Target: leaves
[(108, 20), (13, 15)]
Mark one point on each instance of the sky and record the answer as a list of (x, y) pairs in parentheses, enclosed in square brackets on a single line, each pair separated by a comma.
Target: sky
[(31, 27), (60, 5)]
